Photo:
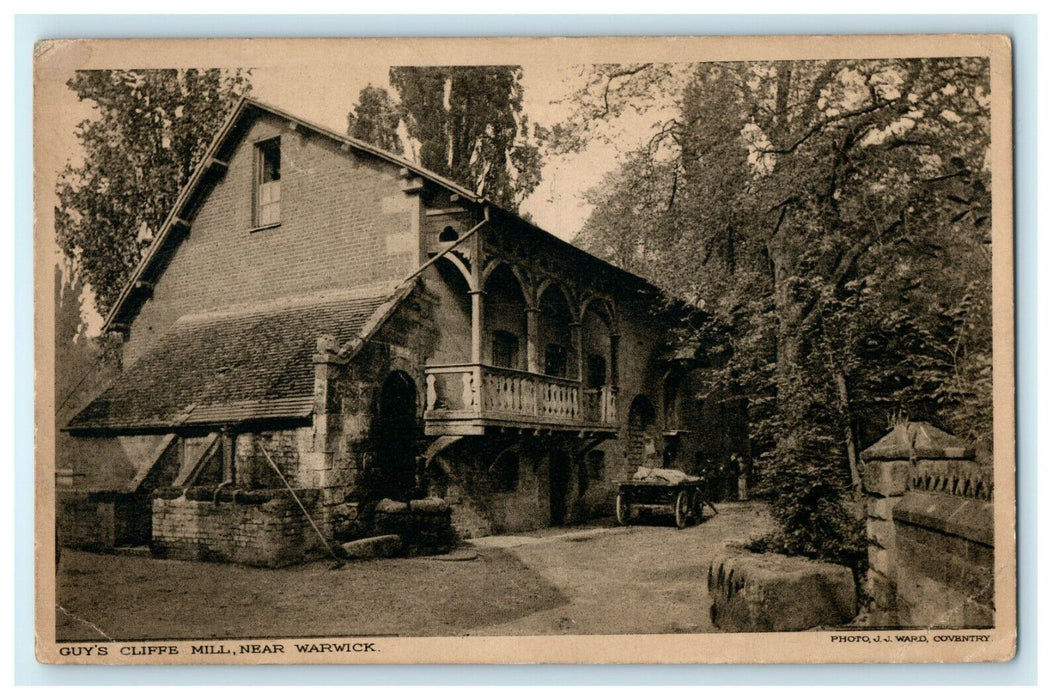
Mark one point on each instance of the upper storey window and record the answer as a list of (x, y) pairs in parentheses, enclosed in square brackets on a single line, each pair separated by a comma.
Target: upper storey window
[(266, 190)]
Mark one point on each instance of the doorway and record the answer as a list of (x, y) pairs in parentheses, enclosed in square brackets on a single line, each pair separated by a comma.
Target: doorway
[(559, 483), (398, 437)]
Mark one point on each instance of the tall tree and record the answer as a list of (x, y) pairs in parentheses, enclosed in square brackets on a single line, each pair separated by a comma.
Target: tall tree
[(149, 130), (375, 119), (466, 123), (834, 219)]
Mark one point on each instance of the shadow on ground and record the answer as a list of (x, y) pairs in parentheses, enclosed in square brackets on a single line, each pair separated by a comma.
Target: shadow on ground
[(596, 578), (130, 598)]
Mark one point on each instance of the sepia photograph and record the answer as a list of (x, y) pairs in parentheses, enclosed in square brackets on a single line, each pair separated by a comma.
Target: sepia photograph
[(616, 350)]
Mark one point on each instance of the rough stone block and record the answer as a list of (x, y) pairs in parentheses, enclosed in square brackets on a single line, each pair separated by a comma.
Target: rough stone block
[(372, 547), (886, 478), (389, 506), (429, 505), (774, 593)]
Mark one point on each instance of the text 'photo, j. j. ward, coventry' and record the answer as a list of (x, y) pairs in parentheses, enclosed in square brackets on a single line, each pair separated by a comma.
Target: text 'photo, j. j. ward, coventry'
[(517, 350)]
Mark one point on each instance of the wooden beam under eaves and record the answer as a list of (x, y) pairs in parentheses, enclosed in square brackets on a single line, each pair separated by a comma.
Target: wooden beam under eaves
[(413, 185)]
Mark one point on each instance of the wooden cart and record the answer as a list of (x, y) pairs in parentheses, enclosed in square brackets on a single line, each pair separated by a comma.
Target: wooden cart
[(662, 491)]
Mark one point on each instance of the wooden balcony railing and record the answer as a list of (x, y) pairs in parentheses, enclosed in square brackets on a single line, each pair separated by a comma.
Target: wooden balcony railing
[(493, 395)]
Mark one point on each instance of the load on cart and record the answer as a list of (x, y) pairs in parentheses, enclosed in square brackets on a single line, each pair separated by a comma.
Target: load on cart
[(656, 491)]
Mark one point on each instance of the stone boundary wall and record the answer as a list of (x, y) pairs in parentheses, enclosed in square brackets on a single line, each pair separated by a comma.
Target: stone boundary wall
[(272, 533), (944, 561), (930, 531)]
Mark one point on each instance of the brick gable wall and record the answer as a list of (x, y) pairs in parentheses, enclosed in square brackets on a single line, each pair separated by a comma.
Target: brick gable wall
[(345, 223)]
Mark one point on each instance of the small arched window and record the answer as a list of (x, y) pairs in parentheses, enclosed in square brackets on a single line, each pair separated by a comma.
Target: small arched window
[(448, 235)]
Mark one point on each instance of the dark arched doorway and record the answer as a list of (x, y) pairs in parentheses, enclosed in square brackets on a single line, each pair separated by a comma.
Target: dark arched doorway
[(641, 418), (398, 437)]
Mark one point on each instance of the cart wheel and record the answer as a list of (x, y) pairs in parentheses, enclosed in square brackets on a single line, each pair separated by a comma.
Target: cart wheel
[(622, 510), (696, 508), (680, 510)]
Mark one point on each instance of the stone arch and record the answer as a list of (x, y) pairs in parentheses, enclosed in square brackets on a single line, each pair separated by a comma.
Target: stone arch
[(597, 344), (451, 285), (555, 332), (461, 266), (602, 306), (504, 307), (524, 283), (397, 434), (548, 283)]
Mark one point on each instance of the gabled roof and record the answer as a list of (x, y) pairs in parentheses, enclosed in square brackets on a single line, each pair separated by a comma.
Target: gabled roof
[(167, 238), (231, 366), (177, 218)]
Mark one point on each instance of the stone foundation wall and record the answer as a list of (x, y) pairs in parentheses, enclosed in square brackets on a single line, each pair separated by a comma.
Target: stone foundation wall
[(272, 533), (102, 520)]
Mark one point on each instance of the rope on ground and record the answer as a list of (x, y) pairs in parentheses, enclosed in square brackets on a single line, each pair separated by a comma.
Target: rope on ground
[(330, 549)]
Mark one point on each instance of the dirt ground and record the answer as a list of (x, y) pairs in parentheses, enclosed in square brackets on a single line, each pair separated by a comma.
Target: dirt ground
[(593, 579)]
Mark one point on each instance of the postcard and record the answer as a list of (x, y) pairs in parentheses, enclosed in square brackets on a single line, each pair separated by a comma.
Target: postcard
[(539, 350)]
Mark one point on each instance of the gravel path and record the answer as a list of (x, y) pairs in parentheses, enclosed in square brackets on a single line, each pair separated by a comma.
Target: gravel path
[(578, 580)]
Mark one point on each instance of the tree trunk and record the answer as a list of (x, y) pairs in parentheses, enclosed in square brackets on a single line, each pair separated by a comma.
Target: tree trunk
[(851, 446)]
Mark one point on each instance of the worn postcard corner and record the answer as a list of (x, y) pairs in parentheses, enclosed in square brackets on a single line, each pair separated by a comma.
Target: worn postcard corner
[(556, 350)]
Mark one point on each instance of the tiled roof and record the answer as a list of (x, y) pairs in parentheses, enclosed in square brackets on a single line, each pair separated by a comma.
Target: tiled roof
[(250, 363)]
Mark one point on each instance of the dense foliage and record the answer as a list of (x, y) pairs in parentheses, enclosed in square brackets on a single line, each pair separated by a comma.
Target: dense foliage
[(463, 122), (833, 221), (375, 119), (148, 133)]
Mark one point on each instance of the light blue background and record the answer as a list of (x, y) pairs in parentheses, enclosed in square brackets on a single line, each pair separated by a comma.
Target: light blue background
[(1021, 28)]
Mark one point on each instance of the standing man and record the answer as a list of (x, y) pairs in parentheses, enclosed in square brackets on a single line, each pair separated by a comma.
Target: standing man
[(744, 476)]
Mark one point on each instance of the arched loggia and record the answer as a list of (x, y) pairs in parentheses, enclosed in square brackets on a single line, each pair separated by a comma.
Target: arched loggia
[(504, 328), (559, 351)]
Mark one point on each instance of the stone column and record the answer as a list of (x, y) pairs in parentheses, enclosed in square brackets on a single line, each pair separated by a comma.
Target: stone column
[(228, 474), (533, 359), (575, 342), (327, 415), (476, 325), (614, 374)]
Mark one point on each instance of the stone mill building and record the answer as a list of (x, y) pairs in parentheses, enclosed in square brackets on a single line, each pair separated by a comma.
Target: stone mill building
[(321, 318)]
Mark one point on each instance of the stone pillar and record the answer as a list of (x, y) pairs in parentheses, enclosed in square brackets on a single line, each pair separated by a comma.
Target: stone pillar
[(476, 326), (614, 374), (575, 342), (533, 359), (327, 415), (902, 462), (885, 482), (228, 474)]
